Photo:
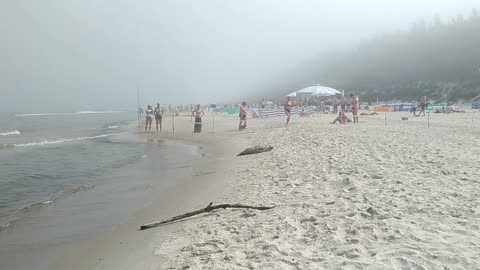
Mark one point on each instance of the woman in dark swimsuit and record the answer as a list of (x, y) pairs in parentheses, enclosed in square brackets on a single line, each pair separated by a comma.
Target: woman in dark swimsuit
[(198, 114), (158, 116), (288, 108)]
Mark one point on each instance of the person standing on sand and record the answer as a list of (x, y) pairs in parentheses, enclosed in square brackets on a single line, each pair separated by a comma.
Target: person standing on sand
[(423, 105), (414, 108), (158, 116), (148, 118), (198, 114), (288, 108), (243, 116), (354, 102)]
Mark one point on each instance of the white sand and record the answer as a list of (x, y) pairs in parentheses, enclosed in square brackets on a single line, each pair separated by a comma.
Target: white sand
[(365, 196), (360, 196)]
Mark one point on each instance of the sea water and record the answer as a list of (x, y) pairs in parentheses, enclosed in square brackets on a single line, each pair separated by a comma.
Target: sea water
[(65, 176)]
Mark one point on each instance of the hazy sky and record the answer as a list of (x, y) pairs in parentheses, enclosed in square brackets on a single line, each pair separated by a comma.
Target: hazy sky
[(58, 55)]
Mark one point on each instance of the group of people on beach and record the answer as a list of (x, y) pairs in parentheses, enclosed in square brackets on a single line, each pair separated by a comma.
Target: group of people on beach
[(354, 105), (158, 112), (423, 106)]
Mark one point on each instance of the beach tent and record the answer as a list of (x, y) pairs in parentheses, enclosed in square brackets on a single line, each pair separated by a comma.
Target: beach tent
[(234, 110)]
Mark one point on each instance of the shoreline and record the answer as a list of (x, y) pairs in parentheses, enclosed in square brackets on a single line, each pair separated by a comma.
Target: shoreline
[(204, 185), (369, 195)]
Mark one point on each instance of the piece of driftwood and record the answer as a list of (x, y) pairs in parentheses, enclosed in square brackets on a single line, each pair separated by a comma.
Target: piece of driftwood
[(255, 150), (207, 209)]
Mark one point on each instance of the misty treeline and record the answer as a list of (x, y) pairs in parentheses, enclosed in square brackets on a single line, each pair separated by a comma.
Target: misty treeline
[(438, 59)]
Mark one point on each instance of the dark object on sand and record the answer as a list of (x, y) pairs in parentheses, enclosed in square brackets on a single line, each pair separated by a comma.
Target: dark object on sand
[(207, 209), (255, 150)]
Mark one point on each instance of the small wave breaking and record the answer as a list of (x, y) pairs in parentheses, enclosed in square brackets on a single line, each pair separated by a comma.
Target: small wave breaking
[(66, 113), (59, 141), (11, 133)]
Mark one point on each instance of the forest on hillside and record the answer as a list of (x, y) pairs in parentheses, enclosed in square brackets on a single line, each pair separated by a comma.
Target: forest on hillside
[(438, 59)]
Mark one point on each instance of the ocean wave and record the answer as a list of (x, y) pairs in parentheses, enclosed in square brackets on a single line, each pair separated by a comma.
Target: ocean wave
[(59, 141), (29, 208), (95, 112), (112, 127), (11, 133), (39, 114), (66, 113)]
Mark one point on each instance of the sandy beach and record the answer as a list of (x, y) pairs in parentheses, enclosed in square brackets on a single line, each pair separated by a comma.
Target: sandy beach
[(365, 196)]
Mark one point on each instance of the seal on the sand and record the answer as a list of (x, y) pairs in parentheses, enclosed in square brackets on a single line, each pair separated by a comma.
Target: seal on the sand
[(255, 150)]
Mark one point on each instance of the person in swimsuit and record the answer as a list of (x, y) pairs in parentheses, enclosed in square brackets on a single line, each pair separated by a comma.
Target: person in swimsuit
[(148, 118), (414, 108), (354, 103), (198, 114), (288, 108), (158, 116), (423, 105), (243, 116), (342, 118)]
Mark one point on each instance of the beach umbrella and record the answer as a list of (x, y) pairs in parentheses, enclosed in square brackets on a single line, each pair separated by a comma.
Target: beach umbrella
[(323, 93), (318, 88)]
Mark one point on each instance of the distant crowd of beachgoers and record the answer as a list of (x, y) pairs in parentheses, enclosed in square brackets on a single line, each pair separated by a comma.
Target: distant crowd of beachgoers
[(340, 106)]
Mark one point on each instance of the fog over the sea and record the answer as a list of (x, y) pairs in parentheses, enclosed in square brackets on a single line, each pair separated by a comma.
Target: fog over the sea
[(68, 55)]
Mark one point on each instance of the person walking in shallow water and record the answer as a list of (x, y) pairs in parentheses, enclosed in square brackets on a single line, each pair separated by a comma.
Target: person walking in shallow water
[(198, 114), (148, 118), (288, 108), (243, 116)]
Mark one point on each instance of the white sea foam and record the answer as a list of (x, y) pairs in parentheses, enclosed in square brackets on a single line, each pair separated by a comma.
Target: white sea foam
[(112, 127), (11, 133), (66, 113), (40, 114), (59, 141)]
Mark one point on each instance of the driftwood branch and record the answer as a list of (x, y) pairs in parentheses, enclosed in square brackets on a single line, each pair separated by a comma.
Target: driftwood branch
[(255, 150), (207, 209)]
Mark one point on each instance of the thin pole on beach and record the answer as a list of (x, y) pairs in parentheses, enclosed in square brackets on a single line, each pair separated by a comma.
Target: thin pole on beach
[(173, 121), (385, 118), (138, 113), (213, 121)]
